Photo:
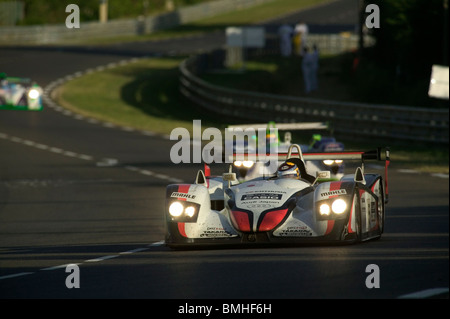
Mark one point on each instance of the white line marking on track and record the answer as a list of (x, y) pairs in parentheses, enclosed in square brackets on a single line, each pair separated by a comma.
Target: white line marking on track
[(58, 267), (408, 171), (423, 294), (98, 259), (70, 154), (158, 243), (101, 258), (16, 275), (109, 125), (93, 121), (16, 139), (85, 157), (440, 175), (127, 129), (107, 162), (41, 146), (133, 251), (56, 150), (162, 176)]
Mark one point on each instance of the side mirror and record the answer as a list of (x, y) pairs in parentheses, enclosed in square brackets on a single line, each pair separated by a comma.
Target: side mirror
[(229, 177), (359, 176), (201, 179), (326, 175), (323, 174)]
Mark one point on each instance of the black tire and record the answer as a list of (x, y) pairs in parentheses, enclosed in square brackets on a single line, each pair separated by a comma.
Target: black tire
[(23, 101), (381, 215), (356, 238), (357, 213)]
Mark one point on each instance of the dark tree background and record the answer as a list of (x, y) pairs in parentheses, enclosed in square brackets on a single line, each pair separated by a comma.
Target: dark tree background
[(411, 37)]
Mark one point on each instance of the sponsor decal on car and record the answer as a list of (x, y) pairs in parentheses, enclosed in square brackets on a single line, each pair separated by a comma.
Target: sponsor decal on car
[(182, 195), (333, 193), (261, 196)]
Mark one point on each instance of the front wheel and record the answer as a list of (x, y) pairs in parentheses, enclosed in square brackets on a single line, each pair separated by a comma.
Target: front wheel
[(352, 231)]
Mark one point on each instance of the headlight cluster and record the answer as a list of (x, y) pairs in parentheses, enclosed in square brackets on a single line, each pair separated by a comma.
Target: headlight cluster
[(331, 162), (246, 164), (33, 94), (184, 211), (338, 207)]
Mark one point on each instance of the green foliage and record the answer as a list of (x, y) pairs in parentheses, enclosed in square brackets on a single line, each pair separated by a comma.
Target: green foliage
[(53, 11), (411, 35)]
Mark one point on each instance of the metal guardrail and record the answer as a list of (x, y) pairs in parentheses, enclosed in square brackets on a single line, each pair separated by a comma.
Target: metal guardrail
[(356, 120), (59, 33)]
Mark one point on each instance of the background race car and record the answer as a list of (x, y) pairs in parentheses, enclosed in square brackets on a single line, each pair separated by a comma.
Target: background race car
[(19, 94), (249, 169), (325, 144)]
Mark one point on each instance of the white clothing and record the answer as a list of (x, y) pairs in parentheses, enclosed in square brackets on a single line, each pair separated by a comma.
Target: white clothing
[(285, 32)]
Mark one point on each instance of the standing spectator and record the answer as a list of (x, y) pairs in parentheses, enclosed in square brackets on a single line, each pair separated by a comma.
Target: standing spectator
[(301, 36), (315, 69), (285, 32), (307, 68)]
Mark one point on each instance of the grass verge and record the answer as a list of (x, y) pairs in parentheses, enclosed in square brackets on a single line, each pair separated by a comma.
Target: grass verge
[(143, 95)]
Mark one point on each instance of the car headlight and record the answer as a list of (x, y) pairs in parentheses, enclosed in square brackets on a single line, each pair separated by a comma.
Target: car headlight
[(324, 210), (190, 211), (33, 94), (331, 162), (176, 209), (248, 164), (238, 163), (339, 206), (184, 212)]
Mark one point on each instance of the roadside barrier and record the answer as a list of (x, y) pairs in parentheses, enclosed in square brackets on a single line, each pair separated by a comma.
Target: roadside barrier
[(354, 120)]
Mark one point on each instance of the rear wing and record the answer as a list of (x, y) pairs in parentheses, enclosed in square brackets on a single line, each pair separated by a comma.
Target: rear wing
[(283, 126), (17, 80), (344, 155), (295, 151)]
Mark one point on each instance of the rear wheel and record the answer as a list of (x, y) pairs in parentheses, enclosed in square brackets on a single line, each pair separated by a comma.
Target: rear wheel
[(357, 212), (379, 191)]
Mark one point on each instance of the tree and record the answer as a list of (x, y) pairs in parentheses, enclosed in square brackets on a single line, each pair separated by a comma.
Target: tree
[(410, 38)]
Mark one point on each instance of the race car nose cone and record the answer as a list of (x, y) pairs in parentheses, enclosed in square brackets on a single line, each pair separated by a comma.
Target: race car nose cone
[(271, 219)]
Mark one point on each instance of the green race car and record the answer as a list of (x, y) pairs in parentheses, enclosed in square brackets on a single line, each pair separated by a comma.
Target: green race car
[(19, 94)]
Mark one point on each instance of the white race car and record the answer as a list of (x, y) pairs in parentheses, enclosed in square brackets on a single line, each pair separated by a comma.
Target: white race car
[(279, 209), (19, 94)]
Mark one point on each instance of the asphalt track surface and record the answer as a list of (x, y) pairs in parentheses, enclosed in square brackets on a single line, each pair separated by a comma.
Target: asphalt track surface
[(77, 191)]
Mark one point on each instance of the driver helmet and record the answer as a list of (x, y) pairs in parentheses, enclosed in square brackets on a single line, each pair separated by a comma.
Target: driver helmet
[(288, 169)]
